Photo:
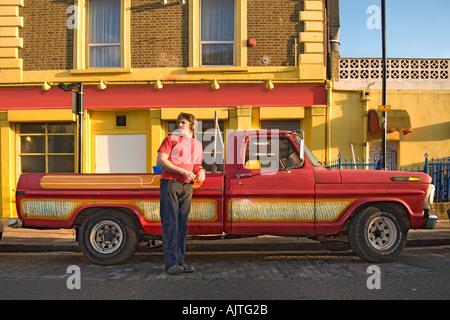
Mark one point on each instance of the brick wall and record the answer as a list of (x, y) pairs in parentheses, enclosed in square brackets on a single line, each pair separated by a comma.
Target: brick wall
[(159, 34), (274, 25), (47, 42)]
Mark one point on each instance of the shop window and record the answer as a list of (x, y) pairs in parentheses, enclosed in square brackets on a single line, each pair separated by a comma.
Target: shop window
[(205, 134), (46, 147)]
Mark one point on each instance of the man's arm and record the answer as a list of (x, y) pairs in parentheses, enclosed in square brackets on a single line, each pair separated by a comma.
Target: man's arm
[(163, 161)]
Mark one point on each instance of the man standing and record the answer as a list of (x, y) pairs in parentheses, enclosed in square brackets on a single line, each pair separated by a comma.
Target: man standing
[(180, 157)]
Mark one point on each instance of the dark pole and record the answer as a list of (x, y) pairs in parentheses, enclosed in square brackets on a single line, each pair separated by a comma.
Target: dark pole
[(80, 111), (384, 63)]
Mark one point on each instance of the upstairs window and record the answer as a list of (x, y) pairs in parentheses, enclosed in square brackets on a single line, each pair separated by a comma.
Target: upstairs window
[(217, 28), (104, 39)]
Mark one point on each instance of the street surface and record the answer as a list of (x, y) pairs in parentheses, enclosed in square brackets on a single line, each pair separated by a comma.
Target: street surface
[(420, 273)]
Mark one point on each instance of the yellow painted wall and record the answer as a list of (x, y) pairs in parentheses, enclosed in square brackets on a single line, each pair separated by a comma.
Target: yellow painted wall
[(430, 119), (347, 124)]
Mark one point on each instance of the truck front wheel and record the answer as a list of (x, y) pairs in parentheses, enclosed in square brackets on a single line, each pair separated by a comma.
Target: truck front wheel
[(378, 234), (108, 237)]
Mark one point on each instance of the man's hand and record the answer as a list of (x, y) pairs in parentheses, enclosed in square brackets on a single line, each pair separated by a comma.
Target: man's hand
[(163, 162), (188, 175), (201, 176)]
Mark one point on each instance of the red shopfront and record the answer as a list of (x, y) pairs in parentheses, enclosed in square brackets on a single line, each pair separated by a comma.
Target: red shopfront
[(181, 96), (113, 148)]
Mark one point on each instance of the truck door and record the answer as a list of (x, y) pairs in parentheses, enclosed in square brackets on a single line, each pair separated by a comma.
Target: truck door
[(272, 192)]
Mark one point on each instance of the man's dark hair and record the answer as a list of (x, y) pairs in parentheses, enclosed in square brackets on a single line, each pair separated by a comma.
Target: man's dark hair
[(192, 121)]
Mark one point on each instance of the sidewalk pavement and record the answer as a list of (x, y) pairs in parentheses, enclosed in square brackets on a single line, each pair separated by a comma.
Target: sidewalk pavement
[(34, 240)]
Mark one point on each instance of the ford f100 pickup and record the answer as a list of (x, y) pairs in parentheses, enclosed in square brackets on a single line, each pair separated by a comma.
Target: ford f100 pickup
[(271, 185)]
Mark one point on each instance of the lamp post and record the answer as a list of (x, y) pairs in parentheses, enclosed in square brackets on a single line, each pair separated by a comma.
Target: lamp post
[(384, 94), (78, 109)]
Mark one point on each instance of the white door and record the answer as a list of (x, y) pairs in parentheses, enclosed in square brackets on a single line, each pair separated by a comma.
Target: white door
[(121, 153)]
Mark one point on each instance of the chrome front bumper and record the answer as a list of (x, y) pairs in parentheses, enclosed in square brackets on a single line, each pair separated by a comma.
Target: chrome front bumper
[(429, 222)]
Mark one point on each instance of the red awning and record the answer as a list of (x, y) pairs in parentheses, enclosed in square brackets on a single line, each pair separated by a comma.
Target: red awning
[(295, 95), (397, 120)]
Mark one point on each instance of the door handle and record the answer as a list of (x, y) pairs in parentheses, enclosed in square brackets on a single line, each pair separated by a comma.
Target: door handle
[(243, 175)]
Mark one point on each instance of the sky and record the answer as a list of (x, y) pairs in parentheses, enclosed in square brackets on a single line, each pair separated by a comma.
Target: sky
[(414, 28)]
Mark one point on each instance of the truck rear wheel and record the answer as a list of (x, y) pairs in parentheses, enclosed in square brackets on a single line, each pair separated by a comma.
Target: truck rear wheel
[(108, 237), (378, 234)]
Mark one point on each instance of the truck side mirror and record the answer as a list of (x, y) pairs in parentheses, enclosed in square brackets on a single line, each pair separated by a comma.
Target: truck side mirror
[(302, 150), (302, 147)]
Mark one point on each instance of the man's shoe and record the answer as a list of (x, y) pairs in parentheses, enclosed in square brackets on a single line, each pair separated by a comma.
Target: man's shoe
[(187, 269), (175, 269)]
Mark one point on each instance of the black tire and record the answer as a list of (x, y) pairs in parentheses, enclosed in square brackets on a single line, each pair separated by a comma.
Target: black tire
[(378, 234), (108, 237)]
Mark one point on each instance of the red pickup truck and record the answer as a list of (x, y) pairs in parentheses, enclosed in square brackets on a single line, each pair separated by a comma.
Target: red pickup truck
[(272, 185)]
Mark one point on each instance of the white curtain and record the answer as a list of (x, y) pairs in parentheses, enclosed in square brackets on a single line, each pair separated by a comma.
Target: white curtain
[(104, 44), (217, 32)]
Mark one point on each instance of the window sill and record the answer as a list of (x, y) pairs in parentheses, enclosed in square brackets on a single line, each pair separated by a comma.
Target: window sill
[(217, 69), (101, 71)]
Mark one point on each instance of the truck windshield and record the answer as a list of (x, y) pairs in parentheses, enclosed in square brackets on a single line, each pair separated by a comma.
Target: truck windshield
[(308, 153)]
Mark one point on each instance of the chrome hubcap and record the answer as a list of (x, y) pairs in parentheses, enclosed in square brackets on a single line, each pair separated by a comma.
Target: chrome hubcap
[(106, 237), (382, 233)]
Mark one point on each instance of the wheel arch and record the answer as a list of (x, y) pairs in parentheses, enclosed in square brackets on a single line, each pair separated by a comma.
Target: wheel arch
[(83, 213), (399, 207)]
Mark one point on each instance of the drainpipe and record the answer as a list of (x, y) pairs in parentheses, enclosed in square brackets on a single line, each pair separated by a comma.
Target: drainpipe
[(365, 98), (333, 37), (332, 7), (330, 87)]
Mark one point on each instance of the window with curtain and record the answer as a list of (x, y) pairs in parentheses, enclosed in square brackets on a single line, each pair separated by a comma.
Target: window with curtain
[(104, 33), (217, 32)]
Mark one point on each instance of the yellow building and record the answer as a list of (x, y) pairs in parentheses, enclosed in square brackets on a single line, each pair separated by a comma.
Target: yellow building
[(142, 62)]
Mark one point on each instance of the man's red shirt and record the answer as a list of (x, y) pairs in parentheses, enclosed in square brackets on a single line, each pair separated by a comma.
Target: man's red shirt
[(183, 152)]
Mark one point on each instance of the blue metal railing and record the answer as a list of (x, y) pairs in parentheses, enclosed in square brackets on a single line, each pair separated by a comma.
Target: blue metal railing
[(438, 169), (370, 164)]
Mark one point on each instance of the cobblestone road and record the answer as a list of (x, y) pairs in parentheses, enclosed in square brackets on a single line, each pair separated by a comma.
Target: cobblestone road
[(420, 273), (145, 266)]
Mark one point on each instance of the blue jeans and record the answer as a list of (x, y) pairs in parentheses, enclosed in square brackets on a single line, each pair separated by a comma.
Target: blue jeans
[(175, 204)]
